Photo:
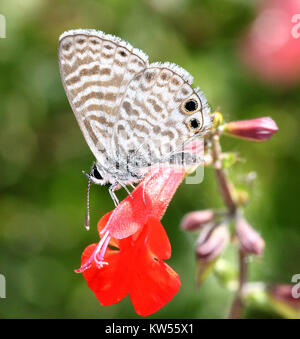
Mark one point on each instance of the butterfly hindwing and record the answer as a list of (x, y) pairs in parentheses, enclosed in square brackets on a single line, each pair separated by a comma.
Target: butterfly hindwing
[(152, 123)]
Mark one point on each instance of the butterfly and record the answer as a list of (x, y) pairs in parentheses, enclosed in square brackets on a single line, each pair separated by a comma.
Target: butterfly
[(132, 114)]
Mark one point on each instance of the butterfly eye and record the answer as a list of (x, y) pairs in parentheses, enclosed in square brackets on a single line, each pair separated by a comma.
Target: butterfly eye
[(194, 125), (95, 173), (190, 106)]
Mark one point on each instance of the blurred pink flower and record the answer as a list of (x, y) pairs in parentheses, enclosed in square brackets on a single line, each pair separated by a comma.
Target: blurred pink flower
[(195, 220), (259, 129), (211, 242), (284, 293), (271, 46), (250, 241)]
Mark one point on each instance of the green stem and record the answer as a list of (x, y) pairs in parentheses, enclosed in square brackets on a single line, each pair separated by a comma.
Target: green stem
[(226, 191), (224, 185)]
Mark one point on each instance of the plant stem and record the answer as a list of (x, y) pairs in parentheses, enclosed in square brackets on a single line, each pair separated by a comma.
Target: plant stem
[(226, 191), (224, 185), (237, 307)]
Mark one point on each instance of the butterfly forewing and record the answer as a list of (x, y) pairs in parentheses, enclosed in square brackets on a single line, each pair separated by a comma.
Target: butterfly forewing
[(96, 69)]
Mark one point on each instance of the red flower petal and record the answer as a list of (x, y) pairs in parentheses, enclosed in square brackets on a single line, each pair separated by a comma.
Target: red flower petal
[(137, 268), (151, 197), (155, 287), (154, 283), (158, 240), (101, 225), (110, 283)]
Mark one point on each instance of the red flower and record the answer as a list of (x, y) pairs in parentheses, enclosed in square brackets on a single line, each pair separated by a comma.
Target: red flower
[(260, 129), (135, 265)]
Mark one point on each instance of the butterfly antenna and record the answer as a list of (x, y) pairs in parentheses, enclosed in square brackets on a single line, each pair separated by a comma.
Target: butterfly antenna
[(87, 214)]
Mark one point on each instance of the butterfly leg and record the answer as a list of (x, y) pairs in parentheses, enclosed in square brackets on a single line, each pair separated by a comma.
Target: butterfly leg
[(126, 189), (113, 195)]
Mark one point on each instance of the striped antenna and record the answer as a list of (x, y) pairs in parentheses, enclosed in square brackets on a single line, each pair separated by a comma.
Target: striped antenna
[(87, 214)]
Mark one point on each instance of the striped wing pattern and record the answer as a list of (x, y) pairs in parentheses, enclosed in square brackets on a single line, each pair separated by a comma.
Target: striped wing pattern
[(131, 114), (151, 123), (96, 69)]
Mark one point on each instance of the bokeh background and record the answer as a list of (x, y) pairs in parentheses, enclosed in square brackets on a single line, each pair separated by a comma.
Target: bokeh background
[(247, 63)]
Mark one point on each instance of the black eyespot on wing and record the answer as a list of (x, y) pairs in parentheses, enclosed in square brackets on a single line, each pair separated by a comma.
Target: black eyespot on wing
[(96, 174), (191, 105), (194, 123)]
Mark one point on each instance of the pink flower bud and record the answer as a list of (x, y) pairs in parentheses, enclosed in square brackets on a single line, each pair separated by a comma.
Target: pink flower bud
[(211, 242), (284, 293), (259, 129), (250, 241), (195, 220)]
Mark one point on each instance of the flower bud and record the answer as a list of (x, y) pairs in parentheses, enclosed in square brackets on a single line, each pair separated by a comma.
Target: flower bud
[(259, 129), (211, 242), (285, 300), (241, 197), (284, 293), (250, 241), (217, 119), (195, 220), (229, 159)]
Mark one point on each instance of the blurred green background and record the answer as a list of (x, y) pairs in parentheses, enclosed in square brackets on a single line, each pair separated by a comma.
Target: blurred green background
[(42, 153)]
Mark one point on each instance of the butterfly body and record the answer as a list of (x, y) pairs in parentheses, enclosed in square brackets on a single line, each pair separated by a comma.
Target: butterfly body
[(132, 114)]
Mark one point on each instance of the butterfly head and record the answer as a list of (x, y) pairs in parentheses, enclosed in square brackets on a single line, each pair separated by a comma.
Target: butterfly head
[(96, 176)]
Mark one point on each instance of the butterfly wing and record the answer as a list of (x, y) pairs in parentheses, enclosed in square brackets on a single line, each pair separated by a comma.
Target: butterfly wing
[(159, 114), (95, 69)]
